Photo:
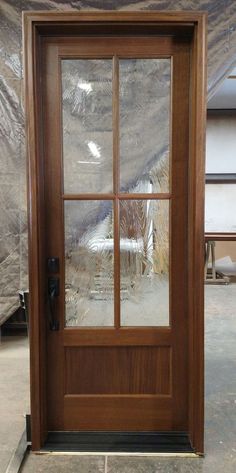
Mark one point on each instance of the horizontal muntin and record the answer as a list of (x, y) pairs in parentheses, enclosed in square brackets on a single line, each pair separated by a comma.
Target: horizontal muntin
[(121, 196)]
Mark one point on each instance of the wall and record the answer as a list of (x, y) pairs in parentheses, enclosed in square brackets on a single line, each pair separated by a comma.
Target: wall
[(220, 215), (220, 158), (13, 214), (221, 141)]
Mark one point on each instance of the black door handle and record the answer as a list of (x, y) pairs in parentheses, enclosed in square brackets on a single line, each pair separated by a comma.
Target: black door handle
[(53, 293)]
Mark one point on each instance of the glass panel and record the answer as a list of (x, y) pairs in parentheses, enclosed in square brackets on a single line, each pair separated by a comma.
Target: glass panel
[(144, 260), (220, 215), (87, 125), (144, 124), (89, 263)]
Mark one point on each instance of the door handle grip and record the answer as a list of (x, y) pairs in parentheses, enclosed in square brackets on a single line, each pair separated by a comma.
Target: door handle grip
[(53, 293)]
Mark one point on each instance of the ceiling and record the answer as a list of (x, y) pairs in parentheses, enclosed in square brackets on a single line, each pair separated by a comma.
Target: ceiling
[(225, 96)]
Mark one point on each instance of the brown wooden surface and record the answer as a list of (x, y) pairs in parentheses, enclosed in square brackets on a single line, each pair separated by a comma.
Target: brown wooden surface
[(178, 232), (118, 370), (122, 196), (220, 236), (196, 245), (183, 19), (140, 47), (119, 410), (54, 231), (124, 336), (127, 413), (36, 237)]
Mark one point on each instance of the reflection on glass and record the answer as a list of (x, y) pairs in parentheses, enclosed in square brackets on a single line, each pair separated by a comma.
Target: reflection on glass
[(89, 263), (144, 124), (144, 261), (87, 125)]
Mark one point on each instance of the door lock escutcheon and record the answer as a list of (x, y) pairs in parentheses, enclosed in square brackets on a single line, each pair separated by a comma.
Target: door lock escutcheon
[(53, 293)]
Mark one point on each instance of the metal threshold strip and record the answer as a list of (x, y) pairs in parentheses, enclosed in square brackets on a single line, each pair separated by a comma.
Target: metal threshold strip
[(119, 442)]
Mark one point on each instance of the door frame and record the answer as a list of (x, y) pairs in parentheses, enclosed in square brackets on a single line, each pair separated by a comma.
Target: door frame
[(36, 25)]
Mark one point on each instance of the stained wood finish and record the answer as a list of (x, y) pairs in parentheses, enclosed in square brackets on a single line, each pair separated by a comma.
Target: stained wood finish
[(118, 370), (54, 240), (220, 236), (36, 237), (196, 245), (141, 336), (120, 413), (123, 196), (179, 250), (182, 410)]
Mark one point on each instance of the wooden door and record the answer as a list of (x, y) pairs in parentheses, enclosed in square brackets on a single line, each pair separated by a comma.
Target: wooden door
[(115, 183), (116, 161)]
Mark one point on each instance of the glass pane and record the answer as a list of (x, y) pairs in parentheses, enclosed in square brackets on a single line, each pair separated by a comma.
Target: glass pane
[(144, 124), (220, 215), (87, 125), (89, 263), (144, 255)]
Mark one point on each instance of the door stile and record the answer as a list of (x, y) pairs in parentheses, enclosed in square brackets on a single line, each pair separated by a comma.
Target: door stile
[(179, 211), (54, 246)]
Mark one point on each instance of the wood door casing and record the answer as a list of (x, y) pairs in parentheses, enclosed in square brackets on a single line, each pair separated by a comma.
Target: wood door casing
[(181, 24), (162, 406)]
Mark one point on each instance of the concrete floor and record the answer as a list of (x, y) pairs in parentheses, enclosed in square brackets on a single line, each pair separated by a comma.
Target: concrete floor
[(220, 431), (14, 394)]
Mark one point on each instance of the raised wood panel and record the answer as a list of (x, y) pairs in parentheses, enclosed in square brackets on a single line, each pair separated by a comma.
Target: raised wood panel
[(117, 413), (118, 370)]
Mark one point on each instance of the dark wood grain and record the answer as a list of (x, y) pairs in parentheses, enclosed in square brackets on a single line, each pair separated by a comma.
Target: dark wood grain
[(118, 370), (118, 413), (36, 225), (196, 235), (179, 250), (123, 196), (54, 226), (127, 336)]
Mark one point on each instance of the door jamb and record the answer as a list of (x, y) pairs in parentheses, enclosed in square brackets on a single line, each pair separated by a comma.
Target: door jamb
[(35, 26)]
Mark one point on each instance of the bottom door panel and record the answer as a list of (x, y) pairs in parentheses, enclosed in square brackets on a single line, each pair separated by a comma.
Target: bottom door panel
[(138, 413), (118, 388), (118, 370)]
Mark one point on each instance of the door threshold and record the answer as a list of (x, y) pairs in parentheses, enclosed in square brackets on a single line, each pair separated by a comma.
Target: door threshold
[(117, 454), (119, 442)]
